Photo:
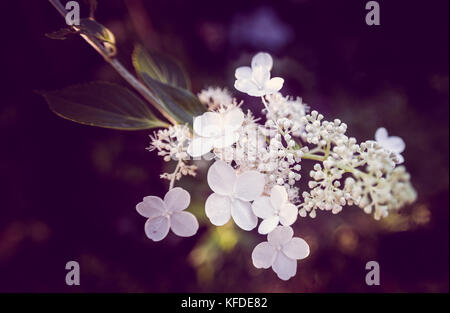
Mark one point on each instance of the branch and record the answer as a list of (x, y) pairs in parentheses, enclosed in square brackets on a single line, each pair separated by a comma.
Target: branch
[(59, 7), (133, 81)]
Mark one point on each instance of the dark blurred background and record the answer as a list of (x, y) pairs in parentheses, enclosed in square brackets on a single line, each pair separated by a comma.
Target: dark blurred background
[(69, 191)]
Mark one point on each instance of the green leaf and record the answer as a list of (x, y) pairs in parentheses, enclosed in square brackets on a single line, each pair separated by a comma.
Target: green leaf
[(97, 32), (61, 34), (161, 68), (165, 81), (92, 29), (181, 104), (103, 105)]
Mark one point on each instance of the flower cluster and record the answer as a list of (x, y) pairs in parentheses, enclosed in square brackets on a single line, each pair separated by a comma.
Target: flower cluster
[(370, 170), (256, 169), (172, 144), (280, 107), (217, 99)]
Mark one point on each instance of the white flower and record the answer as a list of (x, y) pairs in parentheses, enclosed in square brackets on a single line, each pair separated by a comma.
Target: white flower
[(274, 210), (232, 194), (168, 213), (393, 144), (255, 80), (215, 130), (281, 252)]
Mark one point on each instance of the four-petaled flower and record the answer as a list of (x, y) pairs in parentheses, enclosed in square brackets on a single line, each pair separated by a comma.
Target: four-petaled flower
[(281, 252), (232, 195), (255, 80), (215, 130), (168, 213), (393, 144), (274, 209)]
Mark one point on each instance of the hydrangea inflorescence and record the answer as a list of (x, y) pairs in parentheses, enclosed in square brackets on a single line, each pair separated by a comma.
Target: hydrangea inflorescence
[(257, 166)]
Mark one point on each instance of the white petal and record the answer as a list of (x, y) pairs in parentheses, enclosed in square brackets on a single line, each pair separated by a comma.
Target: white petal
[(296, 249), (183, 224), (280, 235), (400, 158), (226, 140), (288, 214), (249, 185), (221, 178), (394, 144), (249, 87), (200, 146), (262, 59), (263, 255), (284, 266), (273, 85), (243, 72), (381, 134), (218, 209), (278, 196), (157, 228), (177, 199), (268, 225), (256, 93), (151, 207), (263, 208), (242, 214), (208, 124), (260, 75), (232, 120), (197, 124)]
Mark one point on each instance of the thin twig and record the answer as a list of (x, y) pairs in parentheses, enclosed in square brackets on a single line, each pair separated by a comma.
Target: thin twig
[(59, 7), (175, 172)]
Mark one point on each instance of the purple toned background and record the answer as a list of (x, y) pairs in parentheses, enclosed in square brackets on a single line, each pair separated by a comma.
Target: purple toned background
[(69, 191)]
